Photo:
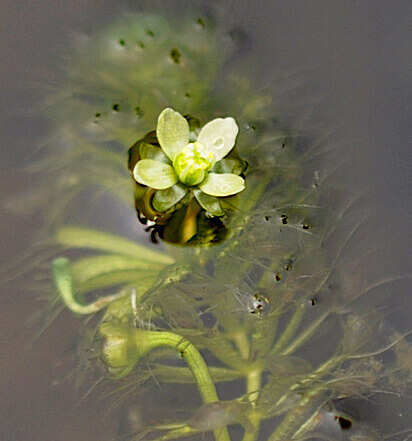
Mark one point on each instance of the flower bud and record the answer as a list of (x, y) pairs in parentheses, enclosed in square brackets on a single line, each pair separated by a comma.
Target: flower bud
[(120, 348), (192, 164)]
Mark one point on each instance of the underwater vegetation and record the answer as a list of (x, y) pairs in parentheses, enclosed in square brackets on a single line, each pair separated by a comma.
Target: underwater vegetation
[(241, 296)]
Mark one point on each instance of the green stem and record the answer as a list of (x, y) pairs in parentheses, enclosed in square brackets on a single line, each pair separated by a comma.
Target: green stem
[(295, 418), (63, 280), (189, 223), (253, 384), (290, 329), (304, 336), (196, 364)]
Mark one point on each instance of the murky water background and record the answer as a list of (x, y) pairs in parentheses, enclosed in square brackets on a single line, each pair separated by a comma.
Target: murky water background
[(354, 57)]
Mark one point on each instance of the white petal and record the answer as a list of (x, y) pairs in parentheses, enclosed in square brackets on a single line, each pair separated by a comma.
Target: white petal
[(220, 185), (172, 132), (154, 174), (219, 136)]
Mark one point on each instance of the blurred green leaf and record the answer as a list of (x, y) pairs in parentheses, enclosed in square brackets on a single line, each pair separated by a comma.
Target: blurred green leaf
[(119, 278), (179, 310), (80, 237), (275, 396), (358, 331), (91, 267), (220, 347), (212, 416), (285, 365)]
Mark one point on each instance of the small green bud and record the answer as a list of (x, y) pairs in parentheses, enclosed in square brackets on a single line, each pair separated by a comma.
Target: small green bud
[(192, 164), (120, 348)]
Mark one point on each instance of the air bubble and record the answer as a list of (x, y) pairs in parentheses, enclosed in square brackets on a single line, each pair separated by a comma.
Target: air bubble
[(219, 143)]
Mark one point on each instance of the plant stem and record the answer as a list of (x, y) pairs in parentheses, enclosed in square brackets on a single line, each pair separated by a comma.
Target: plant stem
[(295, 418), (290, 329), (304, 336), (253, 383), (196, 364), (189, 223), (63, 280)]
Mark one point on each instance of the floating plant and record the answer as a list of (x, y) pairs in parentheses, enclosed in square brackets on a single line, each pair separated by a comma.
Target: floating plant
[(182, 169), (257, 293)]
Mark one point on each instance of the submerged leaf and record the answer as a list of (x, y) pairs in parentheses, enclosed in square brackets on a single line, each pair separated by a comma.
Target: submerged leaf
[(230, 165), (219, 414), (220, 346), (165, 199), (89, 268), (179, 310), (276, 396), (285, 365), (209, 203), (357, 332), (88, 238)]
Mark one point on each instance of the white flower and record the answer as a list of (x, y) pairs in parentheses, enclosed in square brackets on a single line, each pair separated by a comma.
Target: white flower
[(183, 165)]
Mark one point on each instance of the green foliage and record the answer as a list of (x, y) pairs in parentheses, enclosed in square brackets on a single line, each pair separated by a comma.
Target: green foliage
[(252, 309)]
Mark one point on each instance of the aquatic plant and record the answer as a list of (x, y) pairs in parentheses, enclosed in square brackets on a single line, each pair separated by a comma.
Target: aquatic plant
[(261, 287), (173, 174), (192, 161)]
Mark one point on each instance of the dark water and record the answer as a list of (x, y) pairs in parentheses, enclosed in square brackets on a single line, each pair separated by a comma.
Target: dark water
[(354, 57)]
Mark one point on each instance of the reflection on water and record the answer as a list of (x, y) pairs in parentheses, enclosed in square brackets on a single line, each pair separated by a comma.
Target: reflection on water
[(292, 310)]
